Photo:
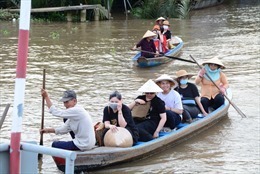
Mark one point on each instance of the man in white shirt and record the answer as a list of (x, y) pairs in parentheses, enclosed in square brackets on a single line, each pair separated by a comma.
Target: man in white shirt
[(78, 121)]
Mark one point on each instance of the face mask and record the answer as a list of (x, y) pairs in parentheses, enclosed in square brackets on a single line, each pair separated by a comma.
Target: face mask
[(183, 81), (113, 106), (165, 27)]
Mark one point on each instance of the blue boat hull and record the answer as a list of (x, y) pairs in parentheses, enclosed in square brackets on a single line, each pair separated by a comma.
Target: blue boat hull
[(151, 62)]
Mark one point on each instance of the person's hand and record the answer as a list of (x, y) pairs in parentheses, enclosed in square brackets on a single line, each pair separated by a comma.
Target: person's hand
[(47, 130), (204, 114), (44, 93), (222, 90), (134, 48), (113, 128), (119, 106), (155, 134), (202, 72)]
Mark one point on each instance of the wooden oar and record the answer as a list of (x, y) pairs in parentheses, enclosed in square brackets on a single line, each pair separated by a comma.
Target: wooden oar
[(4, 115), (171, 57), (42, 120), (236, 108)]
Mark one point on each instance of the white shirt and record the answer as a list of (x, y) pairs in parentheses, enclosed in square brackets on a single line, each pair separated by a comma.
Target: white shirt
[(80, 122), (172, 99)]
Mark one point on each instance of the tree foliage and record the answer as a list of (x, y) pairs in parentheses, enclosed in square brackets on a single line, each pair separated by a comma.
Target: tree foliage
[(167, 8)]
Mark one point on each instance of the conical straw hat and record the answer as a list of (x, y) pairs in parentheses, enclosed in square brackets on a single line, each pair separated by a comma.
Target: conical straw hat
[(150, 86), (163, 77), (149, 34), (214, 60), (160, 18), (182, 73), (166, 23), (121, 138)]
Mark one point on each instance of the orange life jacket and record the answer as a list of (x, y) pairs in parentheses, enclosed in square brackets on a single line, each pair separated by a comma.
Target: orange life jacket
[(158, 45)]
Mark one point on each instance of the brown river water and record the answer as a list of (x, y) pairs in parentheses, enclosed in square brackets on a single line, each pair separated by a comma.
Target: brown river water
[(93, 58)]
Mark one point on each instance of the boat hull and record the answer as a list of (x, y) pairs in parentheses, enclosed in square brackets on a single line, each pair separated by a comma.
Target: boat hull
[(101, 157), (151, 62)]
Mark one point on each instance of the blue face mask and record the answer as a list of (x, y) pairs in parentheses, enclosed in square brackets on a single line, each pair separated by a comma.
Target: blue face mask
[(183, 81), (113, 106)]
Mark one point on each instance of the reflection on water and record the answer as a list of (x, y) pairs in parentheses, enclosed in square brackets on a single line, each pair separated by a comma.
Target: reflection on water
[(94, 59)]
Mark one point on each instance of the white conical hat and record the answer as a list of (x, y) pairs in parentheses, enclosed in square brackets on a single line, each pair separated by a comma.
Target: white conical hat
[(160, 18), (163, 77), (149, 34), (150, 86), (214, 60)]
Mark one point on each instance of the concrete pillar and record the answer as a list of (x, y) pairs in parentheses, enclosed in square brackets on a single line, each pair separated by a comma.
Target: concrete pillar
[(69, 16), (96, 14), (83, 15)]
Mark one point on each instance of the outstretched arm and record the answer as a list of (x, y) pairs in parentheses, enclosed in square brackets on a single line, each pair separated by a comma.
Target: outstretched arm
[(47, 130)]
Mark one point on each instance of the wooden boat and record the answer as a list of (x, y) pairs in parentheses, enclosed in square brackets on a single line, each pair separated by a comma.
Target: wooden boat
[(101, 157), (199, 4), (150, 62)]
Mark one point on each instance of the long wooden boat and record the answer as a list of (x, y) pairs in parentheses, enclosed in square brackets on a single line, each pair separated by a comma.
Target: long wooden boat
[(151, 62), (101, 157), (199, 4)]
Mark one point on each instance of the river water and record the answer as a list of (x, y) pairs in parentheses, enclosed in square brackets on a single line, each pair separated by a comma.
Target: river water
[(93, 58)]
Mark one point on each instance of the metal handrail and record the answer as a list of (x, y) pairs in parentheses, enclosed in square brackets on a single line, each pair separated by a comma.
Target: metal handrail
[(69, 156)]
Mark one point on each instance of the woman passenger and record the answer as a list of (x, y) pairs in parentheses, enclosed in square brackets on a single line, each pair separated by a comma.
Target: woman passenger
[(172, 100), (159, 23), (167, 35), (116, 114), (210, 94), (190, 96), (150, 126)]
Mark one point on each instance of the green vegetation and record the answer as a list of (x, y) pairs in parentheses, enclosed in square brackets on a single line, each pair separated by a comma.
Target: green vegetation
[(184, 8), (55, 16), (47, 17), (54, 35), (147, 9), (151, 9), (4, 15), (5, 32)]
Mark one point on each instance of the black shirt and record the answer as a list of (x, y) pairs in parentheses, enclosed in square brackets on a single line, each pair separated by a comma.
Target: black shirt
[(190, 92), (157, 108)]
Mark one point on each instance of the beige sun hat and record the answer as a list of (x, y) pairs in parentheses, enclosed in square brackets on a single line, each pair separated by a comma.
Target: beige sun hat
[(182, 73), (163, 77), (214, 60), (149, 34), (160, 18), (150, 86), (166, 23)]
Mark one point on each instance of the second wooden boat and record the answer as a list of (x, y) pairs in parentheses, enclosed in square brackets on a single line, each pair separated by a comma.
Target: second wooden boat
[(151, 62)]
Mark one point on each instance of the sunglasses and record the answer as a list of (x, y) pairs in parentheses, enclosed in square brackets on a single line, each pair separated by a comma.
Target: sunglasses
[(151, 93)]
